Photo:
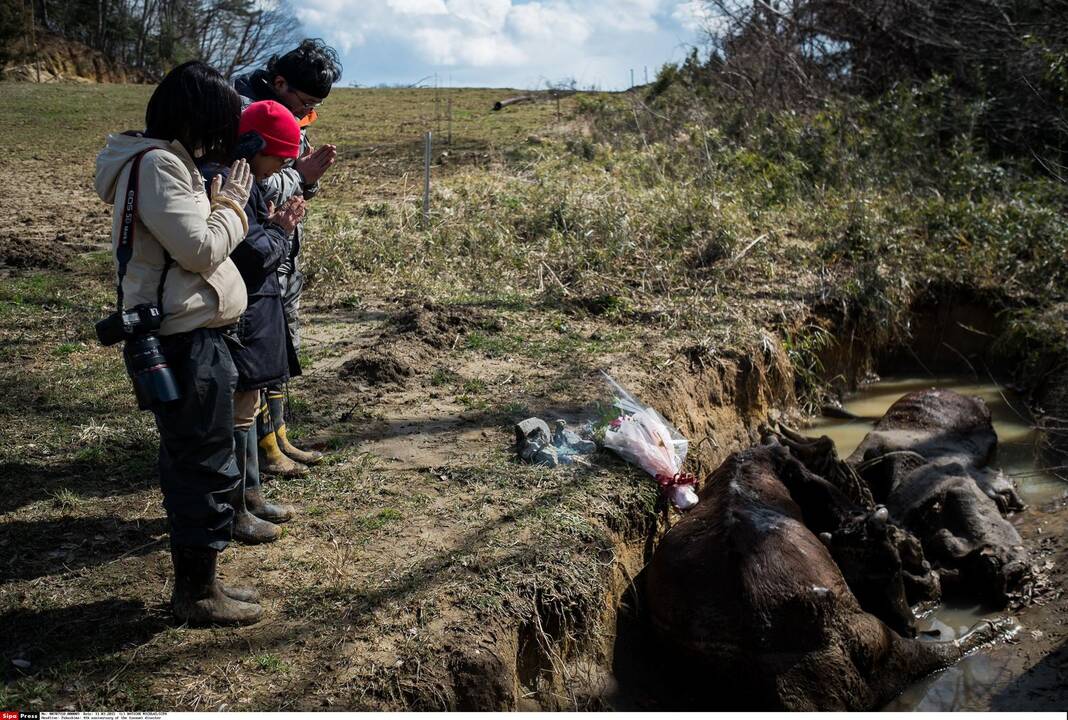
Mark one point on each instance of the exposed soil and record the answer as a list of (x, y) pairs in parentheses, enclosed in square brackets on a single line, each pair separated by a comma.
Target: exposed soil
[(44, 229), (58, 59)]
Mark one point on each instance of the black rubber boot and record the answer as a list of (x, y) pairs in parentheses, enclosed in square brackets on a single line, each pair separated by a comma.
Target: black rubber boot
[(254, 500), (198, 597), (248, 528)]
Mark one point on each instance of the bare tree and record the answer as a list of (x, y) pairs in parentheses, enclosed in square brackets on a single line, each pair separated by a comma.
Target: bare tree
[(154, 35)]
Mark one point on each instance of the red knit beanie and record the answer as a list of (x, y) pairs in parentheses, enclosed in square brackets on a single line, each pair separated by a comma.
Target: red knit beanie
[(275, 124)]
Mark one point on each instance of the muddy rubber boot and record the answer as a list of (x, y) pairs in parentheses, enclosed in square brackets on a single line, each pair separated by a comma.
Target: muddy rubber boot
[(254, 500), (264, 510), (244, 594), (272, 460), (198, 597), (248, 528), (276, 404)]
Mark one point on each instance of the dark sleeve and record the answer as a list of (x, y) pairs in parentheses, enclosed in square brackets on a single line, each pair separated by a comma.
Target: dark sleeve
[(265, 245)]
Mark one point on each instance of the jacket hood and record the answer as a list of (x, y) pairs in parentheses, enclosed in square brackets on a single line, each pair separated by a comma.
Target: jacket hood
[(255, 86), (119, 150)]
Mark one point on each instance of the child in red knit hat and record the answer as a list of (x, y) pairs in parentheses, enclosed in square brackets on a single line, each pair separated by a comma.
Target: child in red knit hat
[(269, 138), (274, 133)]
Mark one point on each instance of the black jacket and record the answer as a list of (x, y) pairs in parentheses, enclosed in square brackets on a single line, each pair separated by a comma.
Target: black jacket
[(267, 357)]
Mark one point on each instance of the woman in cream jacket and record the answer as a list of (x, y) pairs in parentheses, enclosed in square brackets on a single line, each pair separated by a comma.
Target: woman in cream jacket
[(182, 240)]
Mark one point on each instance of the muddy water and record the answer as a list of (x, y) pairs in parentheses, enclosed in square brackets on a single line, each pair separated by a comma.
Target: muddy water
[(970, 684)]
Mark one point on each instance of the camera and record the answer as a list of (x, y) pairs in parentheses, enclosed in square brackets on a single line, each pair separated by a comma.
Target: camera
[(142, 319), (152, 377)]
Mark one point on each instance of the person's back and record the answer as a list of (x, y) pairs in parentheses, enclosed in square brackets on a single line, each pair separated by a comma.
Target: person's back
[(202, 287)]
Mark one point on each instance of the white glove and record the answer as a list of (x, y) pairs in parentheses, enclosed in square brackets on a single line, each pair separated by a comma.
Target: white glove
[(238, 185)]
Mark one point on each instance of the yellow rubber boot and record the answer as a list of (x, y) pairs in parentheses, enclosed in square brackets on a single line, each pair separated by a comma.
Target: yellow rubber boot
[(276, 404), (272, 460)]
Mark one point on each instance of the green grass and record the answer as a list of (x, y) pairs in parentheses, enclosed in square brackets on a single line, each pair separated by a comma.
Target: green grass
[(378, 520), (269, 664), (67, 348), (442, 377), (79, 115)]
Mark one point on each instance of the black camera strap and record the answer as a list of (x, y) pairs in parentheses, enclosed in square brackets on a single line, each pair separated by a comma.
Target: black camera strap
[(124, 251)]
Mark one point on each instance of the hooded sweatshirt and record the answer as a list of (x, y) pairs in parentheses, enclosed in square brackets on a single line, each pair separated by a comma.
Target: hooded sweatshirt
[(203, 287)]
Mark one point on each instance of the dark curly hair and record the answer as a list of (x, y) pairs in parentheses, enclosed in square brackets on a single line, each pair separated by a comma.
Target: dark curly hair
[(313, 67), (195, 105)]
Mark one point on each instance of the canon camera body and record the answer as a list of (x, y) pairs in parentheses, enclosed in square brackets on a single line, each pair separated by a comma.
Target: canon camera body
[(153, 380)]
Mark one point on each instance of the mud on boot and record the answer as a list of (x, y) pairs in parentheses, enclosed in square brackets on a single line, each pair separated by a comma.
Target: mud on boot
[(264, 510), (244, 594), (307, 457), (248, 528), (251, 530), (255, 503), (198, 597)]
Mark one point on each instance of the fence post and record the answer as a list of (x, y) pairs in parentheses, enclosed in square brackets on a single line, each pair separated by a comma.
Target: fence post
[(426, 181), (448, 109), (437, 104)]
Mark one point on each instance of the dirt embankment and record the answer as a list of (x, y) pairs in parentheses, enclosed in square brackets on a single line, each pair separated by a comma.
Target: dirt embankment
[(558, 652), (58, 59)]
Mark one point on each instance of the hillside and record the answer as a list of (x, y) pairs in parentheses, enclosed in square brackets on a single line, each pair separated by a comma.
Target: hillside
[(58, 59)]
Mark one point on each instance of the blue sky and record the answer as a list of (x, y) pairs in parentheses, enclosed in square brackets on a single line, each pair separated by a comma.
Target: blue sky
[(503, 43)]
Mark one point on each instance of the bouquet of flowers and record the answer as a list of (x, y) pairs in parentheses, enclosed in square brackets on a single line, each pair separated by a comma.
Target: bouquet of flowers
[(639, 435)]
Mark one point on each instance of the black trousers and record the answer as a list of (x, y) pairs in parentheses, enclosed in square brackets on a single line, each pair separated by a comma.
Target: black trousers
[(196, 440)]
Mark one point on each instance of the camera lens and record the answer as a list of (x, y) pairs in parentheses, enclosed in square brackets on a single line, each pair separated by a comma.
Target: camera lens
[(153, 379)]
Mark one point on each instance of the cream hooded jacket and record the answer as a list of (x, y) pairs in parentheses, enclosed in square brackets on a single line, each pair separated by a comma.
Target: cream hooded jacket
[(203, 287)]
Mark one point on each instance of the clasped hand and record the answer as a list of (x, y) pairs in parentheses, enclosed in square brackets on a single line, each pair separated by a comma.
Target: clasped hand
[(312, 166), (289, 214), (238, 184)]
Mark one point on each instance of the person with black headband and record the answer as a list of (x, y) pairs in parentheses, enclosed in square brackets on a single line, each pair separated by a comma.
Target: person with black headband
[(178, 295), (300, 80)]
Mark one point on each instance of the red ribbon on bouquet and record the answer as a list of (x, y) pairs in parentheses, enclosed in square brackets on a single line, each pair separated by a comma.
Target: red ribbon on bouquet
[(680, 478)]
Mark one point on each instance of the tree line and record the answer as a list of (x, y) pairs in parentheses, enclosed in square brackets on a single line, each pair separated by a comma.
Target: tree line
[(152, 36), (1006, 59)]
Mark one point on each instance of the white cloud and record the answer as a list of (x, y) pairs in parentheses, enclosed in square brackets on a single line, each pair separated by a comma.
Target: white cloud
[(418, 7), (626, 15), (548, 22), (696, 16), (692, 15), (488, 15), (449, 46), (594, 42)]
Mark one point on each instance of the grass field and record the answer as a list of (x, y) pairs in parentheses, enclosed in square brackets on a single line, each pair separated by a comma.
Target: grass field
[(428, 569)]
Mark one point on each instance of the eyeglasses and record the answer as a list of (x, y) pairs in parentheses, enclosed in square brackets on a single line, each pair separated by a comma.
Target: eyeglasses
[(305, 102)]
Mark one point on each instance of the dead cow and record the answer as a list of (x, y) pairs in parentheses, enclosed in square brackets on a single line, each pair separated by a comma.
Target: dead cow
[(928, 459), (753, 604)]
